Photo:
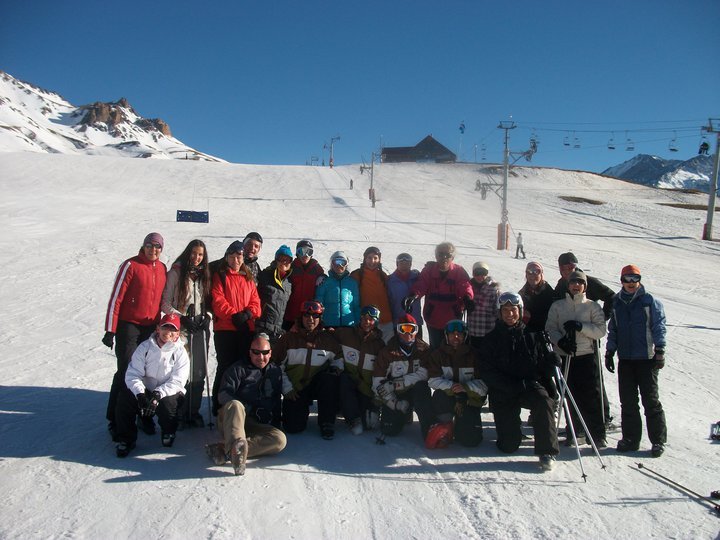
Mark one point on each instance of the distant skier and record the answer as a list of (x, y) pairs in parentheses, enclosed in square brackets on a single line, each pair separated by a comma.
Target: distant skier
[(519, 249)]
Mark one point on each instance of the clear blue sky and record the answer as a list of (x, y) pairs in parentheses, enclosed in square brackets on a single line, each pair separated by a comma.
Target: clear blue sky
[(270, 82)]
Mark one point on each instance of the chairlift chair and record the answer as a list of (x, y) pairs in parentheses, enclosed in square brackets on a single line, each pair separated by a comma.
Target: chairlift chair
[(611, 142), (629, 145), (672, 146), (566, 141)]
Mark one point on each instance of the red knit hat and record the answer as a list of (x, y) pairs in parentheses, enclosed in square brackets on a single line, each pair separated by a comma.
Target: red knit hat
[(407, 318), (630, 269)]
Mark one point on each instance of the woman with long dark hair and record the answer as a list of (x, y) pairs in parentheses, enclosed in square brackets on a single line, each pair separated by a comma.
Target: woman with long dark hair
[(187, 294)]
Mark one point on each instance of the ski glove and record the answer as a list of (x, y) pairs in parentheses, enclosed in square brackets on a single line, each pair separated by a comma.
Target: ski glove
[(567, 344), (572, 326), (189, 324), (145, 404), (659, 358), (241, 318), (610, 361), (461, 399), (469, 304), (108, 340), (407, 303)]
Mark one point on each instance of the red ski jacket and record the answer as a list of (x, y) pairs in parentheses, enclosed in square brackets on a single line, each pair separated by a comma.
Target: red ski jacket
[(136, 293), (303, 279), (231, 293)]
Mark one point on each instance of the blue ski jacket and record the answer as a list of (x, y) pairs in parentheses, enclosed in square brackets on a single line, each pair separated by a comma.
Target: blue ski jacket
[(340, 295), (637, 325)]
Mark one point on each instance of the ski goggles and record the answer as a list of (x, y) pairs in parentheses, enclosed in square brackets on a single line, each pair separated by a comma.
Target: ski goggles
[(630, 278), (407, 328), (312, 307), (304, 251), (340, 262), (509, 298), (404, 258), (370, 311), (455, 325), (533, 271)]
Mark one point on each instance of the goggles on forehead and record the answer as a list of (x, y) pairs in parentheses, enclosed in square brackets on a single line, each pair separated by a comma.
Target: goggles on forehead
[(370, 311), (455, 326), (509, 298), (312, 307), (630, 278), (407, 328)]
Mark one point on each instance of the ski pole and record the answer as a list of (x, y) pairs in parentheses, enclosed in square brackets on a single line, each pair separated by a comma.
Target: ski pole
[(715, 506), (596, 346), (582, 420), (562, 394), (563, 388)]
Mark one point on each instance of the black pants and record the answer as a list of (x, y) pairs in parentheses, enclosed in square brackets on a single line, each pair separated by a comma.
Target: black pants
[(584, 382), (197, 351), (518, 251), (324, 388), (634, 375), (230, 346), (436, 337), (127, 339), (506, 411), (353, 403), (418, 395), (468, 425), (127, 409)]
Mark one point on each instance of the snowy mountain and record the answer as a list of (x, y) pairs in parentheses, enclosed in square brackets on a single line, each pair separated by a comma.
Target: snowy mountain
[(694, 173), (36, 120), (69, 220)]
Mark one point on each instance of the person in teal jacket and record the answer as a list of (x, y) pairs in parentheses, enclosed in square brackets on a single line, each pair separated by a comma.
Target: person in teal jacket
[(339, 293)]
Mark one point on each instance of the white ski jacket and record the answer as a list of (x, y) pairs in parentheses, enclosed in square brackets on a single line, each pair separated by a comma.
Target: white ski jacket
[(577, 308), (163, 369)]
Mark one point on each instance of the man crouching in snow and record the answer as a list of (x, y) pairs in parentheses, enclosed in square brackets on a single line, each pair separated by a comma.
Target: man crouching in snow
[(155, 381), (517, 366), (249, 416)]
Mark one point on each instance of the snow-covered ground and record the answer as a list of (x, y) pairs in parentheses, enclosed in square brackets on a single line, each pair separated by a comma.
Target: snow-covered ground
[(68, 221)]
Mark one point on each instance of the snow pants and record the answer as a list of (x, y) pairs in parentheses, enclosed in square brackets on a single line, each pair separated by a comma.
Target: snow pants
[(418, 395), (634, 376), (353, 403), (468, 425), (127, 409), (324, 387), (127, 339), (584, 382), (506, 411), (262, 439), (230, 346)]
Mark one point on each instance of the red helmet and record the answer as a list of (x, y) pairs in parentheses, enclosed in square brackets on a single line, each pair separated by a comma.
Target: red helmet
[(312, 306), (439, 435)]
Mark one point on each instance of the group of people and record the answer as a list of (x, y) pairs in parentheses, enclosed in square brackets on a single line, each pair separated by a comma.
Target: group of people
[(291, 334)]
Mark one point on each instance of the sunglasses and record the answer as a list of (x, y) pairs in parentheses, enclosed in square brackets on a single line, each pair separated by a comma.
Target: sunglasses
[(630, 278), (304, 252), (480, 272), (260, 351), (455, 326), (370, 311), (509, 298), (533, 272), (444, 255), (312, 315), (407, 328), (577, 281), (151, 246), (340, 262)]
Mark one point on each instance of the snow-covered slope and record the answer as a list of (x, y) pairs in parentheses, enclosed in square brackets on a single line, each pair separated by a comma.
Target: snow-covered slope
[(35, 120), (69, 220)]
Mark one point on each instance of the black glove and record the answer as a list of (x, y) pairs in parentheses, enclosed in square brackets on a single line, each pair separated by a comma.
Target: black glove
[(659, 358), (263, 416), (108, 340), (189, 324), (408, 302), (610, 361), (552, 360), (530, 384), (567, 344), (469, 304), (155, 398), (461, 399), (241, 318), (572, 326), (146, 409), (205, 323)]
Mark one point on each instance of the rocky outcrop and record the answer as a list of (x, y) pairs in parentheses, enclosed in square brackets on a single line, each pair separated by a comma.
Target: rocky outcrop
[(112, 114)]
